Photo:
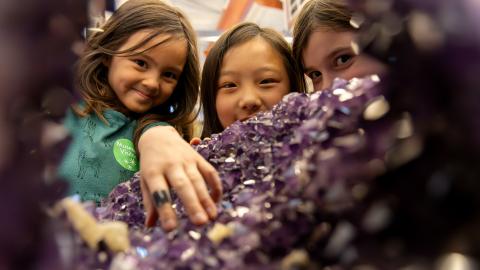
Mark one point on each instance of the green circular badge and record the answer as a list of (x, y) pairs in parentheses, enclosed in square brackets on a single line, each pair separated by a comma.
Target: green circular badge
[(124, 153)]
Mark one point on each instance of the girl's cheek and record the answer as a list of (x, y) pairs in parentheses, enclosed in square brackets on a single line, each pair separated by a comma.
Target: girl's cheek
[(368, 66)]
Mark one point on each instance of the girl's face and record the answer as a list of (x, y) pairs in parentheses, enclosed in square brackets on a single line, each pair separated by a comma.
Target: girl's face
[(147, 80), (330, 54), (252, 78)]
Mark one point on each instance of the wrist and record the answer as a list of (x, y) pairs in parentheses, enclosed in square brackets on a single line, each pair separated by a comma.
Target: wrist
[(154, 135)]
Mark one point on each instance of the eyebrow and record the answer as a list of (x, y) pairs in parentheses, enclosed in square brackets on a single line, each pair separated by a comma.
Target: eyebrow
[(339, 49), (331, 54), (264, 68)]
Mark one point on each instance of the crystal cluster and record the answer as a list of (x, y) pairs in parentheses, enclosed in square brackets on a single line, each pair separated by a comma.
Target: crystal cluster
[(357, 177), (362, 176), (284, 198)]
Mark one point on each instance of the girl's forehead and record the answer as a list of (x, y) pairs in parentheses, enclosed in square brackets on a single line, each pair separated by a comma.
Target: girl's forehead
[(254, 55), (145, 39), (252, 45), (327, 40)]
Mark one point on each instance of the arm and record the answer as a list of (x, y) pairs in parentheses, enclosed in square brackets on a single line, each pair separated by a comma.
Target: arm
[(168, 162)]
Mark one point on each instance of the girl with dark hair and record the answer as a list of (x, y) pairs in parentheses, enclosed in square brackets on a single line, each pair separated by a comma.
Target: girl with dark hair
[(249, 69)]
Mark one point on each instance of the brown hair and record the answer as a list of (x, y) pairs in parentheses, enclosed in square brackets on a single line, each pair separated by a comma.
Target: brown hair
[(327, 14), (131, 17), (211, 70)]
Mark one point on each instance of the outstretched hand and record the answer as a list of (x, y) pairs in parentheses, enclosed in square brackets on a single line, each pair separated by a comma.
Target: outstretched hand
[(167, 163)]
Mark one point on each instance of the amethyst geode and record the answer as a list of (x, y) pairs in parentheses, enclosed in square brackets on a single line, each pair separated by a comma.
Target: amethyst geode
[(283, 191), (336, 180), (368, 176)]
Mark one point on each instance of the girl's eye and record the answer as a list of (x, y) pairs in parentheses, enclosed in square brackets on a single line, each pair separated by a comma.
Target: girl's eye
[(314, 75), (343, 59), (140, 63), (170, 75), (267, 81), (227, 85)]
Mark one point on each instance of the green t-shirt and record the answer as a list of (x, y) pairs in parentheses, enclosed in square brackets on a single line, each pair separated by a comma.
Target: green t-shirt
[(100, 156)]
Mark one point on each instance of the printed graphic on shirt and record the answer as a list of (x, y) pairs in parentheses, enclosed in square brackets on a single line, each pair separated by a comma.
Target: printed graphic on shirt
[(87, 164), (108, 144), (124, 153), (89, 129)]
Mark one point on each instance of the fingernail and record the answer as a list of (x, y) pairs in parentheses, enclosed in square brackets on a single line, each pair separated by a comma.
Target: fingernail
[(169, 223), (200, 218), (212, 212)]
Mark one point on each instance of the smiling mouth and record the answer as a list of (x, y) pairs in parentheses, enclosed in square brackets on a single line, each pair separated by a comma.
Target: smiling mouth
[(142, 94)]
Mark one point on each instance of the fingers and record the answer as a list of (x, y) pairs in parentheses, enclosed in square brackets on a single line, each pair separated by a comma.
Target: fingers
[(152, 214), (184, 188), (159, 199), (211, 177), (202, 191), (195, 141), (167, 161)]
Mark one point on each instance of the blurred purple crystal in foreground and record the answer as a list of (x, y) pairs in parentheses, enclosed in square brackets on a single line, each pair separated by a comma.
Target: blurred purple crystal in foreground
[(36, 40)]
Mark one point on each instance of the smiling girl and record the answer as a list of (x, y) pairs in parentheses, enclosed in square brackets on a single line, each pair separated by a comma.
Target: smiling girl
[(249, 69), (139, 80)]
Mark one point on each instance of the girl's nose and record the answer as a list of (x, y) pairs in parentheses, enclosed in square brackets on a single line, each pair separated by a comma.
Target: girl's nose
[(326, 82), (250, 101), (151, 81), (329, 77)]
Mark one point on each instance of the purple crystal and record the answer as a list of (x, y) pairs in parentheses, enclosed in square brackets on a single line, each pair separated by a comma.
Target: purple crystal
[(36, 40), (266, 164), (333, 179)]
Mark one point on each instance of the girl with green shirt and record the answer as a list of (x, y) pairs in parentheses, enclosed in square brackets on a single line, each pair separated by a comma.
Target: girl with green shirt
[(139, 80)]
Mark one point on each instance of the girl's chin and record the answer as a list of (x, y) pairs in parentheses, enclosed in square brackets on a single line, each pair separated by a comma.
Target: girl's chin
[(138, 108)]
